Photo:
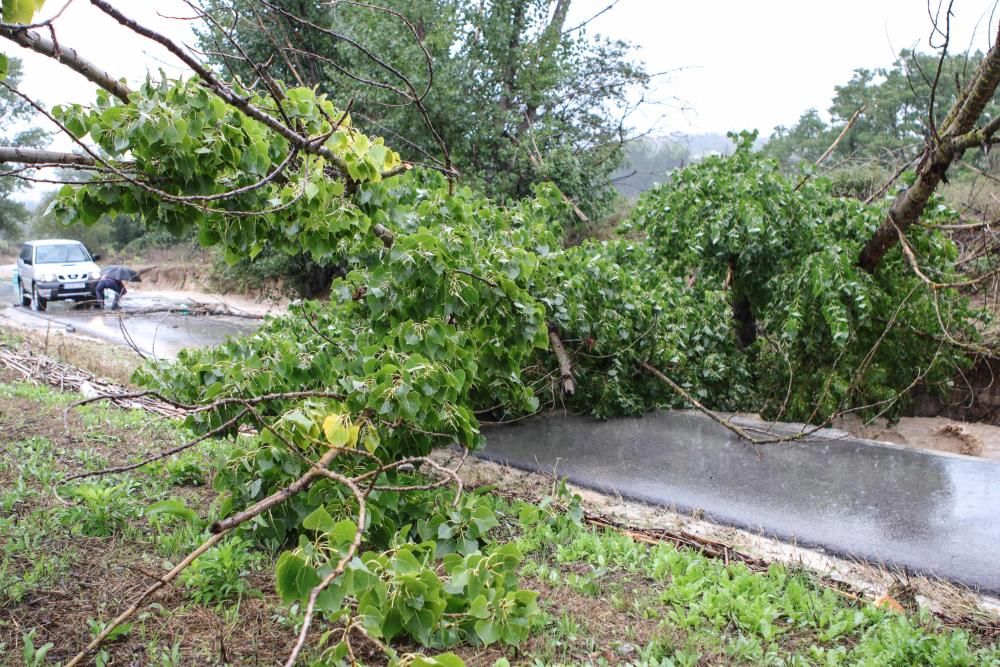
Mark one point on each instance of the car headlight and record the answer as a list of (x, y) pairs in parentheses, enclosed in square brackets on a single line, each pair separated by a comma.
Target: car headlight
[(48, 277), (95, 274)]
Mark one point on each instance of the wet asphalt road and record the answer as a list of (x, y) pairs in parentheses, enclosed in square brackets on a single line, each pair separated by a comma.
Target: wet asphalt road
[(158, 335), (925, 512)]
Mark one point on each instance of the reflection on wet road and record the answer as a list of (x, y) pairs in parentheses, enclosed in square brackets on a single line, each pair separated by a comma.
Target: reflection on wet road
[(923, 511), (158, 335)]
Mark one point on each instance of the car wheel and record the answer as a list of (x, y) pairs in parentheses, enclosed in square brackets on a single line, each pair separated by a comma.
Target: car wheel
[(37, 303), (23, 298)]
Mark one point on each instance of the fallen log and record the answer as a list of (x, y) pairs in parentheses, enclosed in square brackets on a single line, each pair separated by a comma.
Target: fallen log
[(194, 310)]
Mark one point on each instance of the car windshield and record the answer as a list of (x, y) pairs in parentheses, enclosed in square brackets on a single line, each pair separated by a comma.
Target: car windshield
[(61, 254)]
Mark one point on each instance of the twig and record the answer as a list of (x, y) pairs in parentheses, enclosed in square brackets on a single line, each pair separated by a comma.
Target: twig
[(735, 428), (565, 367), (836, 142)]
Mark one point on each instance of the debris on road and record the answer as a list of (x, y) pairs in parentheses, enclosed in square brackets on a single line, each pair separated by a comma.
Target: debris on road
[(194, 310)]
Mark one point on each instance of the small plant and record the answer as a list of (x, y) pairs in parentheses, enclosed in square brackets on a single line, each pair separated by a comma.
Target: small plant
[(220, 574), (34, 657), (169, 657), (104, 509), (97, 627), (184, 471), (91, 459)]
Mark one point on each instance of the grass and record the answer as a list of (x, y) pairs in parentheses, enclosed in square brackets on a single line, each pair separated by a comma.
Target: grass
[(606, 599), (686, 609)]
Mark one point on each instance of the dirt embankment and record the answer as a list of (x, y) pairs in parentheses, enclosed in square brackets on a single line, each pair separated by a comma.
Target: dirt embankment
[(190, 269), (188, 274), (939, 434)]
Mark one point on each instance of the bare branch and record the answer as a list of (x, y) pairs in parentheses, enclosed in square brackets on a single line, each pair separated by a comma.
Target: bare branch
[(43, 157)]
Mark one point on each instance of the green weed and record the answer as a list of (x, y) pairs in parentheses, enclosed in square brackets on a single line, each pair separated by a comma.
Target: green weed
[(220, 574), (104, 508)]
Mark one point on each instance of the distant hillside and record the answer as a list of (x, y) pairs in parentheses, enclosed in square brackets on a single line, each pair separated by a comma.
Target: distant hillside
[(648, 161)]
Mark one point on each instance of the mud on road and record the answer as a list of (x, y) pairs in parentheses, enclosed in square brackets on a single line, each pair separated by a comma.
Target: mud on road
[(158, 335)]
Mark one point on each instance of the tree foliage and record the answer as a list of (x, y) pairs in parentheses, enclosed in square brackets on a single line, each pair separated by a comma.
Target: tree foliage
[(828, 336), (518, 97), (895, 122), (15, 130)]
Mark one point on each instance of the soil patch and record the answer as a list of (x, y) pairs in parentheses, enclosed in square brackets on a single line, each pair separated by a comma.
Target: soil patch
[(934, 433)]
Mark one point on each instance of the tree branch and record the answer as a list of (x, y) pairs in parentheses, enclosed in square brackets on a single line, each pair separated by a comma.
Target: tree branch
[(43, 157), (957, 134), (565, 367), (30, 39)]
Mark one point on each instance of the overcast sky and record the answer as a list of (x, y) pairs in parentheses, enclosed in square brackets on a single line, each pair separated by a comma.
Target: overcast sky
[(759, 64), (736, 64)]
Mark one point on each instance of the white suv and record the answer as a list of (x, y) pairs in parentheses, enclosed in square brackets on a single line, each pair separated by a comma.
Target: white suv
[(55, 269)]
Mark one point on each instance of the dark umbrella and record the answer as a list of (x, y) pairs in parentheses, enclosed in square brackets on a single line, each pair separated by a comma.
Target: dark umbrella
[(122, 273)]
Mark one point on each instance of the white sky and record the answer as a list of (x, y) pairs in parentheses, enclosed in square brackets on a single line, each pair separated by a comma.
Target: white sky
[(744, 64), (756, 64)]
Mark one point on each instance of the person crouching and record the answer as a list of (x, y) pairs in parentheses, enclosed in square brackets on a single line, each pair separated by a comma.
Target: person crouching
[(113, 284)]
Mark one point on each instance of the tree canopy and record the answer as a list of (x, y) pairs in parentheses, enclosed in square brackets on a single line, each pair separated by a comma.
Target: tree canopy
[(16, 129), (509, 94), (896, 117)]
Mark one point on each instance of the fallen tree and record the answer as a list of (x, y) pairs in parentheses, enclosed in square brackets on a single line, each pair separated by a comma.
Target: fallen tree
[(455, 308)]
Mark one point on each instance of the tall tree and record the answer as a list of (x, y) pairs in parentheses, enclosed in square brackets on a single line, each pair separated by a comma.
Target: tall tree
[(971, 122), (896, 118), (509, 94), (15, 130)]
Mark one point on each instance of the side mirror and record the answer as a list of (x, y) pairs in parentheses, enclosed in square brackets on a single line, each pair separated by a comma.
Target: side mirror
[(96, 256)]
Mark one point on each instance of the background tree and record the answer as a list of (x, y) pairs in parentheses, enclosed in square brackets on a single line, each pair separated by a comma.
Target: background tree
[(15, 130), (510, 94), (895, 122)]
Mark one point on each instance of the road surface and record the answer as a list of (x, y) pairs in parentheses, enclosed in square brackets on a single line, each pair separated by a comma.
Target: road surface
[(933, 513), (157, 335)]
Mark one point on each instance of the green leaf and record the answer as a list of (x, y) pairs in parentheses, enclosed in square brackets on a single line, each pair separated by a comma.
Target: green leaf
[(484, 519), (487, 631), (343, 532), (3, 67), (442, 660), (293, 578), (479, 608), (173, 507), (20, 11), (337, 433), (320, 520)]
